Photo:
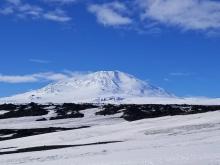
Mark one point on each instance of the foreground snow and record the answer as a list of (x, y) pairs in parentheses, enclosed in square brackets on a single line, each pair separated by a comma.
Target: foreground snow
[(174, 100), (178, 140)]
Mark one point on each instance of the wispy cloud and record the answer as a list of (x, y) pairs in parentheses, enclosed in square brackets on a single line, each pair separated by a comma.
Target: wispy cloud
[(141, 15), (181, 74), (40, 61), (57, 15), (60, 1), (197, 15), (166, 79), (111, 14), (36, 77), (51, 76), (186, 14), (6, 11), (15, 2), (17, 79), (25, 9)]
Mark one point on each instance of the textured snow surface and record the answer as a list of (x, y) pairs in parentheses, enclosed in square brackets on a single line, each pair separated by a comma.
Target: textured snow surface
[(177, 140)]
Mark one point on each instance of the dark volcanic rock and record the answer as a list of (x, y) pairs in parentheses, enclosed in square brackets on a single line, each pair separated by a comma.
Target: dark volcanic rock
[(8, 107), (18, 133), (31, 109), (137, 112), (110, 109), (132, 112), (52, 147)]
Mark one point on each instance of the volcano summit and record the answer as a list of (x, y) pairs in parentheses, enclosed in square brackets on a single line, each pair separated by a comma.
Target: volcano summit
[(101, 86)]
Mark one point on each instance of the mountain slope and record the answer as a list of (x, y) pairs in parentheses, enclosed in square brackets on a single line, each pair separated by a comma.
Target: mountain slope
[(93, 87)]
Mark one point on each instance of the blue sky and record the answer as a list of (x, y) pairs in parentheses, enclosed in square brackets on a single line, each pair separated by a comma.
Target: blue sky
[(172, 44)]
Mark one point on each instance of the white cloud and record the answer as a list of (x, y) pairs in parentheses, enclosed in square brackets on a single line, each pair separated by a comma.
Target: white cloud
[(60, 1), (141, 15), (187, 14), (40, 61), (6, 11), (57, 15), (181, 74), (166, 79), (17, 79), (36, 77), (15, 2), (111, 14), (51, 76), (22, 9)]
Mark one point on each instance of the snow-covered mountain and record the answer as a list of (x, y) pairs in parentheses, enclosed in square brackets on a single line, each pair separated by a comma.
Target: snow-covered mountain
[(93, 87)]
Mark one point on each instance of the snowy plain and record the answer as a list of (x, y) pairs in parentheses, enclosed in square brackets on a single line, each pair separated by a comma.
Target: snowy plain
[(171, 140)]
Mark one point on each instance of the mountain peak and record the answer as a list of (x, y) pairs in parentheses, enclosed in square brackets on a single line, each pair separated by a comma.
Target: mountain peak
[(110, 75), (92, 87)]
